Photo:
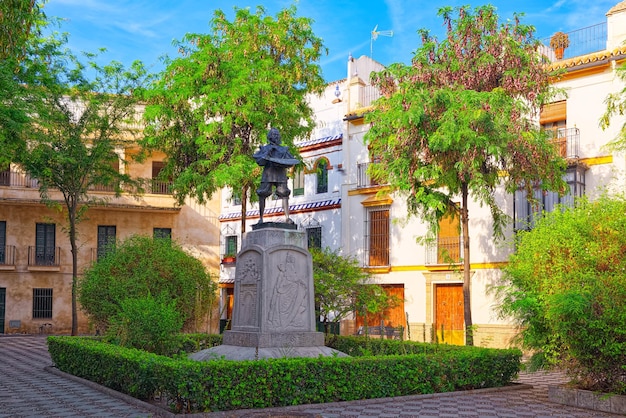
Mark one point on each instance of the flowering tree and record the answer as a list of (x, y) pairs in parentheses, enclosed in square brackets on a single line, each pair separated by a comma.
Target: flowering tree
[(457, 122), (616, 107)]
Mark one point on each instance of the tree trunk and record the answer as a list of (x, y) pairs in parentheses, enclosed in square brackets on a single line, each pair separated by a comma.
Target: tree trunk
[(467, 308), (244, 208), (72, 208)]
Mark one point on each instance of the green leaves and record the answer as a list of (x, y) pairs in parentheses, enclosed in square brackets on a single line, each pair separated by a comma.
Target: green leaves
[(566, 285), (214, 104)]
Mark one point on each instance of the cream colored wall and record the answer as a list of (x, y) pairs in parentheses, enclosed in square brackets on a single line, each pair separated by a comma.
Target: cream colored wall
[(193, 226)]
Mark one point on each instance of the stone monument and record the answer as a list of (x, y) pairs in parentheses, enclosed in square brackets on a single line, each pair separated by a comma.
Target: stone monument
[(274, 308)]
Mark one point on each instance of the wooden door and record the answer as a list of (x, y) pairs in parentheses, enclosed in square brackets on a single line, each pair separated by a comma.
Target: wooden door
[(392, 317), (449, 319)]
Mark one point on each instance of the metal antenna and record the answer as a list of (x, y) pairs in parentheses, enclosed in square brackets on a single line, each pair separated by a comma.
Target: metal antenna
[(375, 34)]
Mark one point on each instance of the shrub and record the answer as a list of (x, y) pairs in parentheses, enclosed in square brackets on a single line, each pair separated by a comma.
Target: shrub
[(566, 284), (142, 266), (147, 324), (193, 386)]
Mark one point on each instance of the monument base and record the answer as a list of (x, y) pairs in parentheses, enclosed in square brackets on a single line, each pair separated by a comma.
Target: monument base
[(231, 352), (274, 307), (273, 339)]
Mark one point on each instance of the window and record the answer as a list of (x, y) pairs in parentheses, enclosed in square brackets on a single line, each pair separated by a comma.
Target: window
[(42, 303), (377, 237), (162, 233), (553, 118), (322, 176), (298, 182), (45, 250), (159, 186), (106, 239), (3, 241), (314, 236), (230, 245), (449, 239), (526, 212)]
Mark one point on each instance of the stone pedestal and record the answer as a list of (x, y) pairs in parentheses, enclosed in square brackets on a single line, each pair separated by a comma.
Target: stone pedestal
[(274, 308)]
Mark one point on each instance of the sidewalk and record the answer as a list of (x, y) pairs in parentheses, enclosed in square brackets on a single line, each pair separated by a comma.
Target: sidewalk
[(30, 388)]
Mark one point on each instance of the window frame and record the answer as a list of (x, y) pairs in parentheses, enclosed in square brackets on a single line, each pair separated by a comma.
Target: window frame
[(378, 236), (321, 168), (42, 303), (45, 251), (107, 235)]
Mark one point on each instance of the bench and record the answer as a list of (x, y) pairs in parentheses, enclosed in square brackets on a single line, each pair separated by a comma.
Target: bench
[(395, 333)]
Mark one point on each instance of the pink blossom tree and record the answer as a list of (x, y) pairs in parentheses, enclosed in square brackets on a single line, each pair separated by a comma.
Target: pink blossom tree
[(458, 123)]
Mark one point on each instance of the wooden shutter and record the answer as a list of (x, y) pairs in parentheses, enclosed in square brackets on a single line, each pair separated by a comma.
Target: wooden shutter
[(553, 112)]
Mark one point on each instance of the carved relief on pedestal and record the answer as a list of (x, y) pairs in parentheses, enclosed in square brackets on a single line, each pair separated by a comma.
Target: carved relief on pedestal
[(248, 272), (288, 309)]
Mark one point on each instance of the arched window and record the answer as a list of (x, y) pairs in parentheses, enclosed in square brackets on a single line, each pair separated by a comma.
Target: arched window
[(322, 176)]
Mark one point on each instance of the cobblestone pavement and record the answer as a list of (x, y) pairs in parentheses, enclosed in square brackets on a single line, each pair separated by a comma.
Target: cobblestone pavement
[(28, 388)]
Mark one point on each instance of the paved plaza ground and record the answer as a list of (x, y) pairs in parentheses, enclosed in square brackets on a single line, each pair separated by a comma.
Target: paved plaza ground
[(31, 387)]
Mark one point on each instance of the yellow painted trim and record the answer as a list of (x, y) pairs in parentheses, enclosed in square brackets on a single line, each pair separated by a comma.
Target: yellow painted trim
[(450, 267), (377, 270), (377, 200), (607, 159), (368, 190)]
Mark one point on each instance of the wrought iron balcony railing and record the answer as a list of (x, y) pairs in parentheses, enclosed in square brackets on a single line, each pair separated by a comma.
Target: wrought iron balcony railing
[(7, 255), (445, 250), (581, 42), (567, 142), (44, 256), (363, 178)]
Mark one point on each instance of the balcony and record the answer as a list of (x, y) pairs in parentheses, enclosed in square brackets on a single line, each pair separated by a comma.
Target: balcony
[(44, 257), (363, 178), (581, 42), (160, 187), (445, 250), (12, 178), (567, 142), (7, 257)]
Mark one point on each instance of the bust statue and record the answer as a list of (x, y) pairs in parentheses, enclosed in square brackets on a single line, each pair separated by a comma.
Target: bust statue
[(275, 160)]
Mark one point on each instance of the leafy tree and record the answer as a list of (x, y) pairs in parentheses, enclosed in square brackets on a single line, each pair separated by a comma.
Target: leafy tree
[(213, 105), (456, 123), (566, 285), (72, 137), (342, 288), (143, 267), (616, 106), (20, 24)]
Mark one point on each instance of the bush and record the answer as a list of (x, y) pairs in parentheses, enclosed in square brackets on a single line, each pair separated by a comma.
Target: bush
[(193, 386), (147, 324), (566, 284), (143, 267)]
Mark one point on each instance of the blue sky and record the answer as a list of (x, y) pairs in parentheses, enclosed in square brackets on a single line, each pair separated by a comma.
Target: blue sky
[(145, 29)]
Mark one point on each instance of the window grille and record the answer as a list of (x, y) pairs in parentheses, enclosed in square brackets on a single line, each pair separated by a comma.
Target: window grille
[(377, 237), (42, 303), (162, 233), (106, 239)]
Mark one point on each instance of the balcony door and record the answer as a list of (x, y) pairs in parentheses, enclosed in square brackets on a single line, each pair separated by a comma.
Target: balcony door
[(45, 236)]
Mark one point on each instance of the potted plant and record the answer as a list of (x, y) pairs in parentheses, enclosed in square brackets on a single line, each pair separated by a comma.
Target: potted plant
[(229, 258), (558, 42)]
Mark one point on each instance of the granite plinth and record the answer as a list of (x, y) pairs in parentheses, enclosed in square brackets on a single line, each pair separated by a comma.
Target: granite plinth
[(274, 339), (231, 352)]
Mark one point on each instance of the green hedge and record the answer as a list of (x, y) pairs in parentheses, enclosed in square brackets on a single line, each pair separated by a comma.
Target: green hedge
[(193, 386)]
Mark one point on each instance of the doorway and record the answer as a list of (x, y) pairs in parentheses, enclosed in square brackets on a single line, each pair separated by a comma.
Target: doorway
[(449, 318)]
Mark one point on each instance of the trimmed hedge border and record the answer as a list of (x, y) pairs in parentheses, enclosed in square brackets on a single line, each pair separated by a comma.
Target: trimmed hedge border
[(192, 386)]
